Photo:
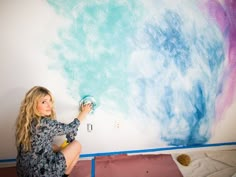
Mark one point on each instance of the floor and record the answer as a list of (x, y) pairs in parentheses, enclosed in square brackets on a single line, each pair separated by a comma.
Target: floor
[(120, 166)]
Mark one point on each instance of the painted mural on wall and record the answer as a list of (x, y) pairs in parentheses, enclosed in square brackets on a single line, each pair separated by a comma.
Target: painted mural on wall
[(168, 61)]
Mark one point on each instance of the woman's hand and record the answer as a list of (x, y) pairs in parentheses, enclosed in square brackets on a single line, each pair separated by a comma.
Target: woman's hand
[(84, 110), (55, 148)]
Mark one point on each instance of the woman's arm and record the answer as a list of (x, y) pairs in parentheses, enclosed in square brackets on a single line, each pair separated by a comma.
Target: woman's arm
[(84, 110)]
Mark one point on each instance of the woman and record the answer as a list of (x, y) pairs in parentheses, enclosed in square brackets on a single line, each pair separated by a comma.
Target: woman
[(36, 127)]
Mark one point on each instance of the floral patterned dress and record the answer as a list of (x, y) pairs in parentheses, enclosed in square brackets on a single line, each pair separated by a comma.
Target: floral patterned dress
[(41, 161)]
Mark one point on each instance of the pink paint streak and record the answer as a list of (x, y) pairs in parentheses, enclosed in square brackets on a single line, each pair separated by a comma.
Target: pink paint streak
[(225, 15)]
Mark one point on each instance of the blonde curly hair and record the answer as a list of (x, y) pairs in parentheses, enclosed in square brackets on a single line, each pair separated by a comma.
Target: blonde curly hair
[(28, 111)]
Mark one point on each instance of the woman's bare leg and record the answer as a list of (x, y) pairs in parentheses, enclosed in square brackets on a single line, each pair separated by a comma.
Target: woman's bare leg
[(70, 168), (71, 153)]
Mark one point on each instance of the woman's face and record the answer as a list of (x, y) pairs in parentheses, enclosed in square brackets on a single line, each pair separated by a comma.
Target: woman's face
[(44, 106)]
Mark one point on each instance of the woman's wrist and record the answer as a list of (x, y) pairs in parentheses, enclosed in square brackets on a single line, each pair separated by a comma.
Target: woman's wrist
[(85, 109), (81, 116)]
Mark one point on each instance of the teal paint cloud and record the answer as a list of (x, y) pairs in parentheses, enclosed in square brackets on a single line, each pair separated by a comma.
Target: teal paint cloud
[(94, 50)]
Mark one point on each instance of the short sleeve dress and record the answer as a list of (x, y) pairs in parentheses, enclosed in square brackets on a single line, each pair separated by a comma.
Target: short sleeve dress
[(41, 161)]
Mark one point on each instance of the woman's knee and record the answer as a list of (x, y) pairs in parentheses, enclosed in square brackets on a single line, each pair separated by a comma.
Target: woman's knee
[(77, 144), (74, 147)]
